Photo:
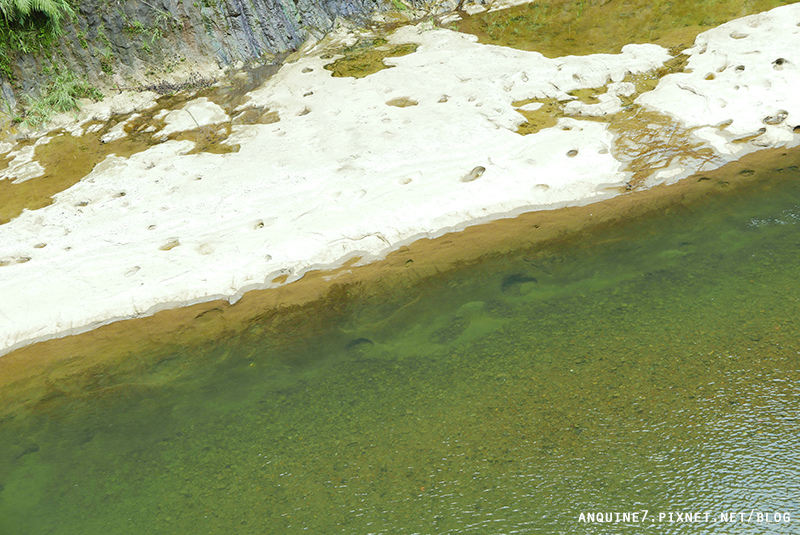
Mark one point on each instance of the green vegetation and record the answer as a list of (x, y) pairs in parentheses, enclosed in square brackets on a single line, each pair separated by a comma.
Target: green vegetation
[(163, 21), (106, 55), (82, 39), (61, 95), (134, 27), (49, 13), (28, 26)]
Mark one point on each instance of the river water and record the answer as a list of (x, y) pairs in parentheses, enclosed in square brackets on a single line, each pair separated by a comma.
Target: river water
[(648, 366), (651, 364)]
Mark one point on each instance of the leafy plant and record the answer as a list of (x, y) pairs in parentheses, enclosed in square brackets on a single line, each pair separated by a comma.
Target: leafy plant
[(61, 94), (82, 39), (106, 55), (133, 27), (29, 26), (24, 12), (12, 114)]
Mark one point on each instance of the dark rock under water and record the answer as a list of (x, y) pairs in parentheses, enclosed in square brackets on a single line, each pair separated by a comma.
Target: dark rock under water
[(359, 345), (515, 280)]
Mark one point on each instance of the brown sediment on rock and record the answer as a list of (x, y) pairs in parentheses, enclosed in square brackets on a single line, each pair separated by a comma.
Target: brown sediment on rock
[(67, 158), (649, 142), (33, 376), (366, 57), (646, 141)]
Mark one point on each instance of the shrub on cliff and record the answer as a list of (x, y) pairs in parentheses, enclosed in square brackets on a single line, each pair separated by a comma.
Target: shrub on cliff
[(23, 13), (60, 95), (29, 26)]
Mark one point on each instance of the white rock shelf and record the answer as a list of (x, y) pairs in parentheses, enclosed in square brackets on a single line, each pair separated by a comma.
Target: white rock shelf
[(345, 174), (746, 73)]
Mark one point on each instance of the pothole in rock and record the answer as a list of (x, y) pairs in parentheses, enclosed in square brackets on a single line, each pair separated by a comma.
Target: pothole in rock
[(170, 244), (751, 137), (475, 174), (401, 102)]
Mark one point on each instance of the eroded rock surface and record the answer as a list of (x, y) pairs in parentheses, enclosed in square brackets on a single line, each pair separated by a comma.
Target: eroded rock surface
[(340, 170)]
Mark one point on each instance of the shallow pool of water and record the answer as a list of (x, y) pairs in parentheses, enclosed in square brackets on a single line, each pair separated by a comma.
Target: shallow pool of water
[(652, 365), (564, 27)]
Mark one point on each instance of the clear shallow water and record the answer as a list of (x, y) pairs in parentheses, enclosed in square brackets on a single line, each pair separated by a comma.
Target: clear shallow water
[(649, 366)]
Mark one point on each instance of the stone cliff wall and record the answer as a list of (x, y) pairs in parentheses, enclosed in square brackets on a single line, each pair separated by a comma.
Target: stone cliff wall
[(127, 42)]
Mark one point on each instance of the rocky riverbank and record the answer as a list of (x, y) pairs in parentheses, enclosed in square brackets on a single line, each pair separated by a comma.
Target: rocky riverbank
[(320, 169)]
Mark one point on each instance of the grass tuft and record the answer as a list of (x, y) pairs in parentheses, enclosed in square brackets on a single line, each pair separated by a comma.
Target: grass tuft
[(61, 95)]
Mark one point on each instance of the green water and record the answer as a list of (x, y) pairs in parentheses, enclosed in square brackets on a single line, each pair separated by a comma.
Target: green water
[(651, 366)]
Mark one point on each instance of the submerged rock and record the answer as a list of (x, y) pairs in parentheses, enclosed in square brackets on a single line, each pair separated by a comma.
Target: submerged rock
[(451, 331), (359, 345), (513, 282)]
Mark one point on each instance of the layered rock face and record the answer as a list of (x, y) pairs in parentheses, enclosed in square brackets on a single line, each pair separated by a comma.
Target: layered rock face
[(116, 43)]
